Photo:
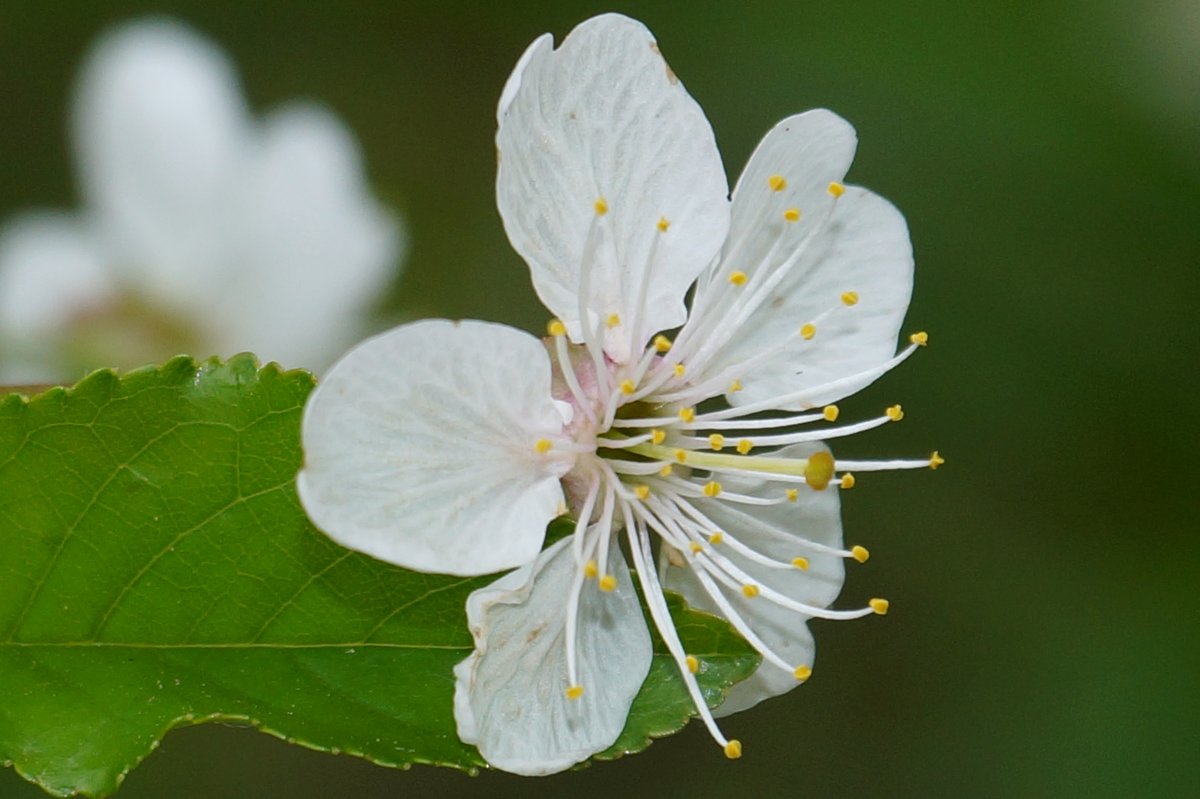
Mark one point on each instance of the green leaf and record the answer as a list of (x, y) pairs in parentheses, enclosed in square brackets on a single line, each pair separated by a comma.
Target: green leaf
[(156, 571)]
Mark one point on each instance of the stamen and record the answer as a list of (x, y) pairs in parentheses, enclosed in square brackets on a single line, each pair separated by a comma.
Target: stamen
[(712, 488), (556, 328), (738, 278), (830, 412), (744, 446), (601, 206), (850, 298), (693, 665), (733, 749), (613, 320), (608, 583), (792, 398), (807, 331), (895, 413), (847, 481), (662, 343), (568, 372), (688, 415), (836, 189), (800, 563), (750, 590), (885, 466), (542, 446), (716, 441), (663, 224), (639, 547), (735, 386), (590, 569), (936, 460), (793, 494), (802, 673), (585, 516), (921, 339), (879, 606), (791, 214), (574, 692), (859, 553), (627, 386), (777, 183), (642, 491)]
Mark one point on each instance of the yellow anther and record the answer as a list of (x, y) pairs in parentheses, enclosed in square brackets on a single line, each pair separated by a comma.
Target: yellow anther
[(574, 692), (642, 491), (791, 214), (777, 182), (895, 413), (819, 470), (555, 327), (848, 480), (628, 386), (666, 470), (662, 343), (850, 298), (880, 606), (692, 664), (608, 583), (802, 673), (859, 553), (735, 386), (750, 590), (716, 441), (601, 206), (687, 414), (738, 278), (800, 563), (681, 455), (696, 548), (680, 369), (836, 189), (830, 412), (744, 446), (733, 749), (613, 320), (793, 494), (590, 569), (663, 224), (712, 488), (920, 339), (935, 460), (808, 331), (716, 538), (542, 445), (658, 436)]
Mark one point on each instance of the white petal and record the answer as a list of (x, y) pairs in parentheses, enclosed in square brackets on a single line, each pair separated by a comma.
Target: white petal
[(509, 697), (771, 530), (51, 272), (160, 131), (604, 117), (864, 248), (419, 448), (316, 246)]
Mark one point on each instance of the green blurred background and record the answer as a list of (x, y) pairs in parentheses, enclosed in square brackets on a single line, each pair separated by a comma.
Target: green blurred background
[(1043, 639)]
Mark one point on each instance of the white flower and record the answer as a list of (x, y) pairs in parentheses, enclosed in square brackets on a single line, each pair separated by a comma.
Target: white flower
[(202, 230), (448, 446)]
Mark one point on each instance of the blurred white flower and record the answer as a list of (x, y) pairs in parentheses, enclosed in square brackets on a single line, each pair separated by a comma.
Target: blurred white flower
[(203, 230), (448, 446)]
